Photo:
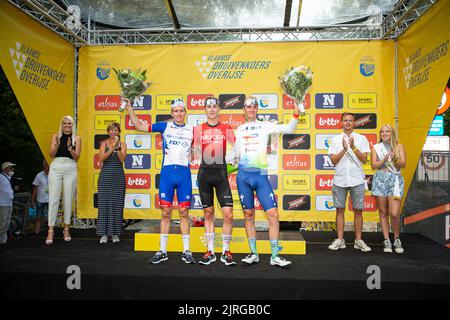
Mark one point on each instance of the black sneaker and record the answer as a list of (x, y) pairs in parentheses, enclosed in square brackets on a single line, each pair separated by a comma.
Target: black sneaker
[(227, 258), (208, 258), (187, 257), (159, 257)]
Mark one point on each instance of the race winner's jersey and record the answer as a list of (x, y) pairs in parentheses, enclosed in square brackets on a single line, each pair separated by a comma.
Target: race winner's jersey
[(252, 138), (177, 142)]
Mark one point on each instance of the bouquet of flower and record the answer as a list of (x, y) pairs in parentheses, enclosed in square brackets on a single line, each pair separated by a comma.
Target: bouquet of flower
[(132, 84), (296, 83)]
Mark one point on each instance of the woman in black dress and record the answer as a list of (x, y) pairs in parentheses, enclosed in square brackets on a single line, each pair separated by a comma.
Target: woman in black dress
[(111, 185)]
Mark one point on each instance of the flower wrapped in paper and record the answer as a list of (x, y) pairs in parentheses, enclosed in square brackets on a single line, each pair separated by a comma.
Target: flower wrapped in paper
[(132, 82), (295, 83)]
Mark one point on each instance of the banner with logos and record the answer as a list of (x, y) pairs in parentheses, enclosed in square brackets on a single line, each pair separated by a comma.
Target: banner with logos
[(423, 71), (348, 76), (39, 66)]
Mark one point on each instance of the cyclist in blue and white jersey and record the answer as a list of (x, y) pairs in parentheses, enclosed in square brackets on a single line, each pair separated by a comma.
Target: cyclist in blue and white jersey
[(251, 151), (175, 174)]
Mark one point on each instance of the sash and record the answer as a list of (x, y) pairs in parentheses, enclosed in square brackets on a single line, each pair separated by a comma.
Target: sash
[(381, 151), (350, 154)]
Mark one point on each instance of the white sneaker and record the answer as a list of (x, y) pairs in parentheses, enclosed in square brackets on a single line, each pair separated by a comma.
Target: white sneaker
[(251, 258), (337, 244), (398, 246), (104, 239), (387, 246), (361, 245), (115, 239), (279, 261)]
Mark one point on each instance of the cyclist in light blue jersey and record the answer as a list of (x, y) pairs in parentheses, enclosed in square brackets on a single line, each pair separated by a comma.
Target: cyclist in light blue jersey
[(251, 151), (175, 174)]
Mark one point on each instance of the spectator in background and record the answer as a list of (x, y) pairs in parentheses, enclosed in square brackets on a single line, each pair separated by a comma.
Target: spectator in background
[(388, 157), (111, 185), (65, 150), (39, 196), (6, 199), (348, 152)]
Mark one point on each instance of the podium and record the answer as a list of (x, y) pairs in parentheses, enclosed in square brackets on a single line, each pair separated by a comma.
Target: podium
[(148, 240)]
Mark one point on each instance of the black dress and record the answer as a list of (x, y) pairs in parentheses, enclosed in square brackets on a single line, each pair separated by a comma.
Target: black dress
[(111, 197)]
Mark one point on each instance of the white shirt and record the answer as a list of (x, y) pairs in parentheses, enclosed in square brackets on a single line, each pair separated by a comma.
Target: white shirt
[(41, 181), (348, 172), (6, 191)]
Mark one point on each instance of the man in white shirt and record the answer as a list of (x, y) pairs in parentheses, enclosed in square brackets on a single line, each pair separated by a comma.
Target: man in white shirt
[(348, 152), (6, 199), (39, 196)]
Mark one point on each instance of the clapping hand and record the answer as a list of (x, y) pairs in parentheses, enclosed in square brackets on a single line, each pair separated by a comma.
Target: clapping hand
[(345, 143)]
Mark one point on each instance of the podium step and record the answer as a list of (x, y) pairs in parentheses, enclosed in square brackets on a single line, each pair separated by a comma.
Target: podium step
[(148, 240)]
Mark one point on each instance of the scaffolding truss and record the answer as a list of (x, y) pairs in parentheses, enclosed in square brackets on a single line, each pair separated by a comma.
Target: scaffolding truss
[(79, 33)]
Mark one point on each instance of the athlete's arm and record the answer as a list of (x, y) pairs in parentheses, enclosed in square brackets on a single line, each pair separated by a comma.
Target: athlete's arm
[(138, 124)]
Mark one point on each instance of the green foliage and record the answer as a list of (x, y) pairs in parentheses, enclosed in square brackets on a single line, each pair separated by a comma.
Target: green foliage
[(17, 143), (296, 82), (132, 83)]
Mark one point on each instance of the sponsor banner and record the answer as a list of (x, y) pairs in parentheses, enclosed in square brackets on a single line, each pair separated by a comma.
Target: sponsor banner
[(197, 101), (296, 182), (138, 141), (296, 202), (370, 204), (296, 142), (372, 138), (323, 141), (158, 141), (137, 181), (107, 103), (304, 122), (329, 100), (145, 118), (365, 121), (325, 203), (362, 100), (289, 103), (196, 119), (296, 162), (323, 162), (143, 102), (98, 138), (137, 201), (324, 182), (158, 161), (137, 161), (231, 101), (233, 120), (266, 100), (163, 117), (328, 121), (164, 101), (102, 121), (268, 117)]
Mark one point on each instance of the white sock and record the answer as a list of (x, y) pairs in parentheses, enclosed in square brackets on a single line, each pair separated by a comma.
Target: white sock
[(163, 238), (226, 238), (186, 238), (210, 240)]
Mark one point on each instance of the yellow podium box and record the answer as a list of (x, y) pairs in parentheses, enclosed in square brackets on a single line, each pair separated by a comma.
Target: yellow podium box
[(291, 241)]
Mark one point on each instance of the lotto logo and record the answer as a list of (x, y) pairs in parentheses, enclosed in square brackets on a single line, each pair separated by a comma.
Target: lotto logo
[(324, 181), (137, 181), (145, 118), (328, 121), (197, 101)]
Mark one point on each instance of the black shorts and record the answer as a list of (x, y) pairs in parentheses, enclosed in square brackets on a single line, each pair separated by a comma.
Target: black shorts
[(210, 178)]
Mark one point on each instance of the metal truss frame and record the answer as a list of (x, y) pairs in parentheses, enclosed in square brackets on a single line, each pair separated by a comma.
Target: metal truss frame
[(59, 21)]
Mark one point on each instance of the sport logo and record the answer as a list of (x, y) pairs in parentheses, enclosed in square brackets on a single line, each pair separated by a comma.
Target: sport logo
[(328, 121), (106, 103), (296, 162), (323, 162), (137, 181), (324, 182), (145, 118), (297, 202), (232, 101), (329, 100), (296, 141), (197, 101), (137, 161), (365, 121)]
